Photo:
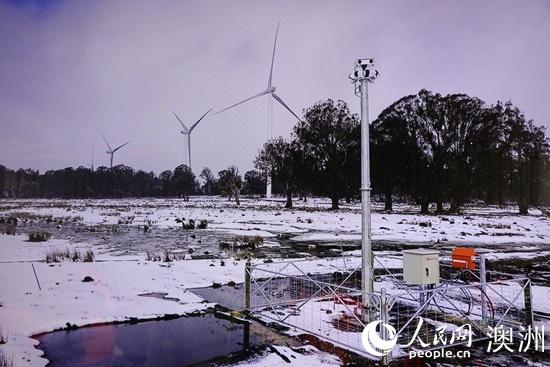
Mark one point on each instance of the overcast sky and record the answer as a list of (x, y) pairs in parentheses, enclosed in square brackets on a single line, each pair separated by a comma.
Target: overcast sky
[(69, 69)]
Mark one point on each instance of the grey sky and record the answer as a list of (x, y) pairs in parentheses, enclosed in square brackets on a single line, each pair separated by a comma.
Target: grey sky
[(71, 68)]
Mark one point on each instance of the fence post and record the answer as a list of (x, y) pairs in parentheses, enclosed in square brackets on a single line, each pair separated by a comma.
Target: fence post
[(384, 318), (247, 270), (528, 300), (483, 281), (422, 295), (36, 277)]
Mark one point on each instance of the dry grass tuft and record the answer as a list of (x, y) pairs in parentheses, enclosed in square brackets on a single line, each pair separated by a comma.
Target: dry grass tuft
[(167, 256), (243, 242), (56, 256), (5, 361)]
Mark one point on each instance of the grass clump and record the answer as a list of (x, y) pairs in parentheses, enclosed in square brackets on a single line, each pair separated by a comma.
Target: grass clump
[(10, 229), (189, 225), (166, 256), (56, 256), (5, 360), (88, 257), (192, 224), (244, 242), (39, 236)]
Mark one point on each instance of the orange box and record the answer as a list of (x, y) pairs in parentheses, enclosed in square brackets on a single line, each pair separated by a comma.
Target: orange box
[(464, 258)]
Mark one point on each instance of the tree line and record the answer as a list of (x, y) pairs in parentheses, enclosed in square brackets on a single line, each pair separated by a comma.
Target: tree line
[(123, 181), (426, 148)]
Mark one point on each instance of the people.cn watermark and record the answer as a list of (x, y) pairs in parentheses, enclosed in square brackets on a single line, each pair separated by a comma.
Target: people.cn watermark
[(379, 339)]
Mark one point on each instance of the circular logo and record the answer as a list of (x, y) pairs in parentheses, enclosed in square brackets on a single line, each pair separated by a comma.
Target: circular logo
[(373, 342)]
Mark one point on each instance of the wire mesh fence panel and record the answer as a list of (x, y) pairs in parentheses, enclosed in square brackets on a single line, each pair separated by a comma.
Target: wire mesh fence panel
[(319, 300), (454, 313)]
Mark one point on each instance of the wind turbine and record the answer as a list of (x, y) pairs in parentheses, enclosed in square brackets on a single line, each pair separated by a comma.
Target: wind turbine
[(270, 90), (110, 150), (188, 132), (93, 153)]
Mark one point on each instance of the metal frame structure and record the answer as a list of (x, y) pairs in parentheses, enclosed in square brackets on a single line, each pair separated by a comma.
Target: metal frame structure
[(329, 304)]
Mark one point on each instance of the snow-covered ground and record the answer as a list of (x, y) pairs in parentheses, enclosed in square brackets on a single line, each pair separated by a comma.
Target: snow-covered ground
[(281, 356), (116, 293), (311, 221)]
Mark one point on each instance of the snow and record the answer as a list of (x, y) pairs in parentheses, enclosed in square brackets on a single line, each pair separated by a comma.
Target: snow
[(541, 295), (307, 356), (114, 295), (310, 221)]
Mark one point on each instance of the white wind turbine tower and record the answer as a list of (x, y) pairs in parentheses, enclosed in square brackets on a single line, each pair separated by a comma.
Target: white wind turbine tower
[(270, 90), (188, 132), (93, 153), (110, 150)]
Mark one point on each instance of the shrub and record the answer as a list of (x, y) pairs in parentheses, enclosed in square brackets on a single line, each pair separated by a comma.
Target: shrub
[(3, 338), (203, 224), (189, 225), (39, 236)]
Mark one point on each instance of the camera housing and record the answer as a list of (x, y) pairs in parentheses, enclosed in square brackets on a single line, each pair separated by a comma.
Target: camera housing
[(365, 62)]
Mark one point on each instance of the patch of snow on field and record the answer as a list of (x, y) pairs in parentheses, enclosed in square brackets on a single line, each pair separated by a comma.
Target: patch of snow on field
[(541, 297), (307, 356)]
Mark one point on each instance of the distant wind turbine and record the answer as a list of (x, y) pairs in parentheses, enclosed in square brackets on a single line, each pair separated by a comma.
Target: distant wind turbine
[(270, 90), (93, 153), (188, 132), (110, 150)]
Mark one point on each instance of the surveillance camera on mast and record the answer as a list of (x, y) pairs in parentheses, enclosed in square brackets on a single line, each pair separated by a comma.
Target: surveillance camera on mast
[(364, 70)]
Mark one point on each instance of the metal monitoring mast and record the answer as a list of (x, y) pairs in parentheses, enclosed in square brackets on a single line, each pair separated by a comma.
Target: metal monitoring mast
[(363, 74)]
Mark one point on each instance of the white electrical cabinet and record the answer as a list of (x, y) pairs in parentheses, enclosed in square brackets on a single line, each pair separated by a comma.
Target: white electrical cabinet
[(421, 266)]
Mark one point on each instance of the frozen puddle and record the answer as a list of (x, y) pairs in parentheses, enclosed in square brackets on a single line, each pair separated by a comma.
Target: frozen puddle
[(203, 339)]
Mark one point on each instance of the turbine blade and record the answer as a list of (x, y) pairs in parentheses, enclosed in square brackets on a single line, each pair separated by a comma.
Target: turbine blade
[(196, 123), (120, 146), (181, 122), (106, 142), (278, 99), (273, 58), (243, 101)]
